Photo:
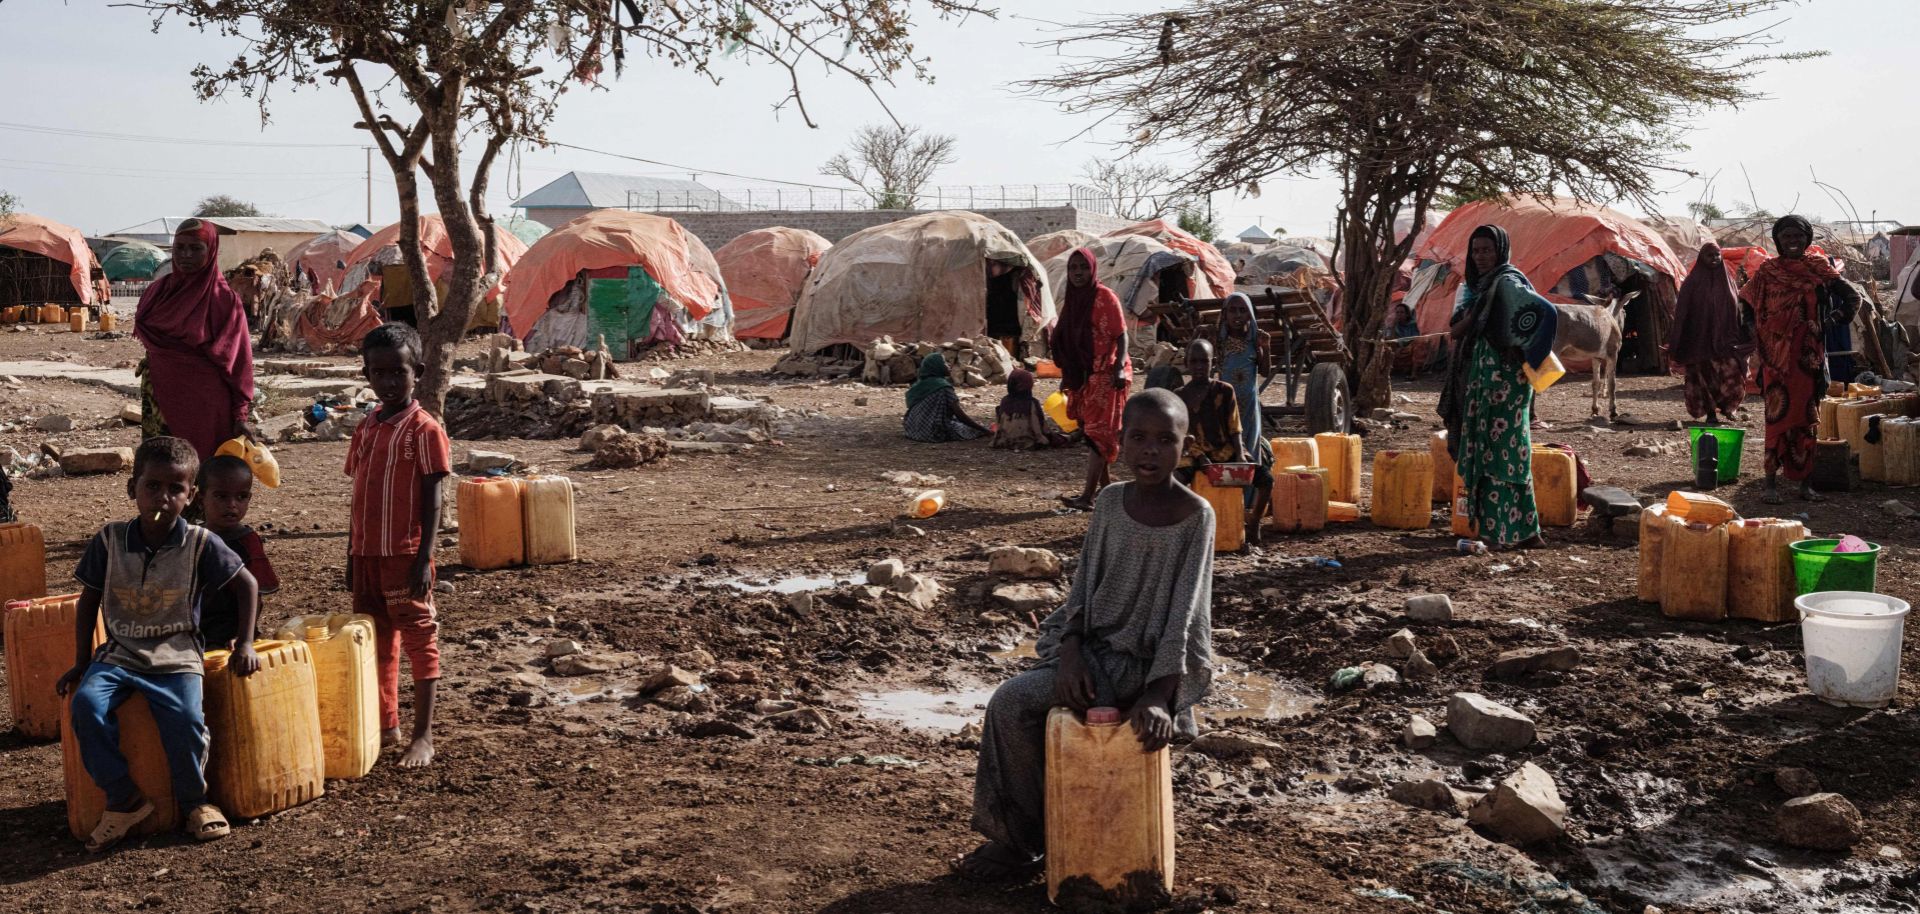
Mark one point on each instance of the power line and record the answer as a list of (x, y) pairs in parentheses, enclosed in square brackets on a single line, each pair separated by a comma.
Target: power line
[(691, 169), (131, 170), (175, 140)]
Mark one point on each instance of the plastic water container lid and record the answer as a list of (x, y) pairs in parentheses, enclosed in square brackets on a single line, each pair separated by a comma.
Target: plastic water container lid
[(1850, 604), (1103, 715)]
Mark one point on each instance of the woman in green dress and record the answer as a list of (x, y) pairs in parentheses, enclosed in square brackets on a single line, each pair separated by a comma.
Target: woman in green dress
[(1499, 327)]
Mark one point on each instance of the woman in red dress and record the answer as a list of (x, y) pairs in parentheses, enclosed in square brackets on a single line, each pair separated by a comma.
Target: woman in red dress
[(1090, 346), (1791, 298)]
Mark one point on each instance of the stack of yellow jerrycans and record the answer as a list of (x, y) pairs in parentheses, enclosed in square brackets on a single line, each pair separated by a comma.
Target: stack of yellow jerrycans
[(507, 521)]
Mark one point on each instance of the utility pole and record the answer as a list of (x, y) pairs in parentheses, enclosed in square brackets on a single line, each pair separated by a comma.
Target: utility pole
[(369, 186)]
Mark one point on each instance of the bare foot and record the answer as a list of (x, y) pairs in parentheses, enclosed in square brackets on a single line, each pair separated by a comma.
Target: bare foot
[(1772, 495), (419, 753), (1076, 502), (1808, 494), (390, 738)]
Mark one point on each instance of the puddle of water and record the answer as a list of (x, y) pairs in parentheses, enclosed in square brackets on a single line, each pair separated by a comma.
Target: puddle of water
[(927, 710), (1700, 871), (1241, 695), (1022, 651), (757, 584)]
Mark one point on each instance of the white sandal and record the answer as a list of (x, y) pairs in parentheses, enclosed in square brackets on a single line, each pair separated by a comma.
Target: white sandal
[(206, 822), (116, 825)]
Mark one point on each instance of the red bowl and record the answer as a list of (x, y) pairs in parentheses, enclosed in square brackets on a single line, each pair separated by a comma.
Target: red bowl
[(1229, 475)]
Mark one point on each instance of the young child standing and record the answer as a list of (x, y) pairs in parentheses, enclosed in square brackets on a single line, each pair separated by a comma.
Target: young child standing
[(146, 577), (1135, 633), (397, 459), (226, 494)]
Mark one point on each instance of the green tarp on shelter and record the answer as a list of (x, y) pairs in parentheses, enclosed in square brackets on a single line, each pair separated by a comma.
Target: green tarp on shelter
[(621, 311), (133, 260)]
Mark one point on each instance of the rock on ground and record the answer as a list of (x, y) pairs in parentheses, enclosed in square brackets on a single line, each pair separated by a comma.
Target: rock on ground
[(1027, 597), (1419, 667), (1481, 723), (1428, 793), (629, 451), (599, 435), (1225, 744), (96, 460), (1400, 644), (479, 461), (883, 572), (1419, 733), (57, 422), (1022, 562), (1821, 821), (1525, 808), (1523, 662), (1431, 607), (921, 590), (1796, 782), (667, 677)]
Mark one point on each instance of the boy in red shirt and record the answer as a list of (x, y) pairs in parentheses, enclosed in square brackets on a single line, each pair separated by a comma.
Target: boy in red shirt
[(225, 495), (397, 459)]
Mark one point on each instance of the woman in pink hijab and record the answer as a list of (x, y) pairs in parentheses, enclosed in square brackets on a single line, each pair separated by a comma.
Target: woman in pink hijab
[(198, 376)]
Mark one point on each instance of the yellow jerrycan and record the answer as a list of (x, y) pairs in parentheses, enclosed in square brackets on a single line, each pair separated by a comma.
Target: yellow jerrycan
[(1294, 452), (1556, 487), (1442, 467), (146, 764), (1340, 454), (1299, 500), (346, 687), (547, 525), (1109, 811), (1402, 490), (1693, 572), (267, 753), (1760, 583), (40, 649), (492, 511), (1229, 513), (23, 562)]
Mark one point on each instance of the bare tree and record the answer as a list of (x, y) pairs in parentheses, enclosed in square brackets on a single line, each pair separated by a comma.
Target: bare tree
[(1405, 99), (223, 205), (1137, 189), (436, 80), (892, 164), (8, 203)]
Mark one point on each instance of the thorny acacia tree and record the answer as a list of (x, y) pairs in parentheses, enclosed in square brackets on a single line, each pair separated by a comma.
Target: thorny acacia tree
[(436, 78), (1136, 188), (891, 164), (1405, 99), (223, 205)]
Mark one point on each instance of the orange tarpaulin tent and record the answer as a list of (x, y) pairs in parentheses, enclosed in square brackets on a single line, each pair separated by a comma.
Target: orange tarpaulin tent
[(47, 238), (673, 259), (765, 270), (324, 256), (1215, 274), (336, 324), (1554, 242)]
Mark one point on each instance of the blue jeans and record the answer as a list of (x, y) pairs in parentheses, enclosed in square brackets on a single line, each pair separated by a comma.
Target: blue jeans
[(174, 699)]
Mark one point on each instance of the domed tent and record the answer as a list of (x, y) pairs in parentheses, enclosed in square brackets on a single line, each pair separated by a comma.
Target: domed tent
[(1053, 244), (1684, 235), (1569, 250), (924, 278), (322, 260), (133, 260), (45, 262), (765, 272), (524, 229), (634, 278), (1137, 268), (375, 283), (1215, 278), (1291, 265)]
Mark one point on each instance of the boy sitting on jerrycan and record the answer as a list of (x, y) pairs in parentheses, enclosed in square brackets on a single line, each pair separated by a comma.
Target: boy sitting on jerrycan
[(1133, 641), (147, 578)]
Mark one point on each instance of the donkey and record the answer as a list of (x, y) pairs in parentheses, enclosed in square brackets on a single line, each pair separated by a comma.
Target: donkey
[(1594, 332)]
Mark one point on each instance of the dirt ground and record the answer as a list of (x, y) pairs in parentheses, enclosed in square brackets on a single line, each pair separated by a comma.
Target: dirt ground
[(556, 794)]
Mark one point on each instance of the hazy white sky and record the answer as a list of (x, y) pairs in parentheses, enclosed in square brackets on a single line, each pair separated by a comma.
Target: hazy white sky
[(86, 65)]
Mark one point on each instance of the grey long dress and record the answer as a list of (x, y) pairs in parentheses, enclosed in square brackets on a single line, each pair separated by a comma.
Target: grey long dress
[(1142, 602)]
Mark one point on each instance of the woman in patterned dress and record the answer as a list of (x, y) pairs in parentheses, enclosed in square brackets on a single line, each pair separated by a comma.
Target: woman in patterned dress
[(1090, 346), (1500, 327)]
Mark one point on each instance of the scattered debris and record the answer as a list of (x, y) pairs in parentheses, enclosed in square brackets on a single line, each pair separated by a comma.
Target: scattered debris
[(883, 572), (1419, 733), (1796, 782), (58, 422), (1400, 645), (1523, 662), (1428, 793), (628, 451)]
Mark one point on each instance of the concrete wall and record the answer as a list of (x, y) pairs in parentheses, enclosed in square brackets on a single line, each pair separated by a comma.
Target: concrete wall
[(716, 229)]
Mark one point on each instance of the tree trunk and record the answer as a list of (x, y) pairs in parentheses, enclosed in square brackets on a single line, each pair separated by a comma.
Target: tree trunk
[(442, 327)]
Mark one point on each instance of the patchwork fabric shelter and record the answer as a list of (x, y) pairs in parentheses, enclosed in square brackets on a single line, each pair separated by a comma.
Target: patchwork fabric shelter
[(765, 272), (376, 272), (1215, 279), (1133, 266), (324, 258), (1053, 244), (133, 260), (1569, 250), (633, 278), (1684, 235), (1285, 265), (924, 278), (45, 262)]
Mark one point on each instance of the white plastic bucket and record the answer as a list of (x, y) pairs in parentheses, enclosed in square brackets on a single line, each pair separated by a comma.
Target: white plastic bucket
[(1852, 643)]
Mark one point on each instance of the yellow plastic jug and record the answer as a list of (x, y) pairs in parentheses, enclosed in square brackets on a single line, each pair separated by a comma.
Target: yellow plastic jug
[(1056, 409), (1109, 809), (491, 526), (346, 686), (1299, 501), (1340, 454), (267, 753), (1654, 527), (1442, 467), (23, 562), (1693, 572), (1760, 583), (260, 460), (1294, 452), (1872, 450), (77, 319), (146, 763), (1342, 512), (1402, 490), (53, 314), (1901, 446), (1229, 514), (926, 504), (107, 320), (39, 646), (1828, 425), (1695, 508), (548, 523), (1543, 377), (1460, 513), (1556, 489)]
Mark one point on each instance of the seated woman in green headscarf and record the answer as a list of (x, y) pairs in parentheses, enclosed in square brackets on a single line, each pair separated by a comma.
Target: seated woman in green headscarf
[(933, 409)]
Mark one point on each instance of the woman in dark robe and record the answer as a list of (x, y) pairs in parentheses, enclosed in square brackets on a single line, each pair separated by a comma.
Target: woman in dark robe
[(1707, 339), (197, 380)]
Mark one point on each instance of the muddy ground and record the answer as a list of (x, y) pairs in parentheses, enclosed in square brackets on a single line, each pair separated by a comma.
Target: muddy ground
[(554, 794)]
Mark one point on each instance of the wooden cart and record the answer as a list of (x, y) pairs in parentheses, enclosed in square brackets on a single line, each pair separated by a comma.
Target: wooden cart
[(1305, 345)]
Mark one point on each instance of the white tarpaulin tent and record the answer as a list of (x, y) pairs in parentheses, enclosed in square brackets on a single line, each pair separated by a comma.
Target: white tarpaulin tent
[(923, 278)]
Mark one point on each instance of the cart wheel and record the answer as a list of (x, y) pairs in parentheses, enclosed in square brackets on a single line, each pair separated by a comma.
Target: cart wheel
[(1329, 405)]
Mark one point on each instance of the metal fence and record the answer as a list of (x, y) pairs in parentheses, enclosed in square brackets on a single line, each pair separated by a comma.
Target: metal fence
[(992, 196)]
